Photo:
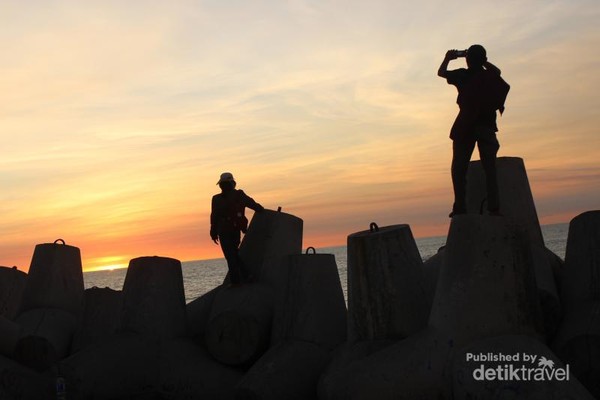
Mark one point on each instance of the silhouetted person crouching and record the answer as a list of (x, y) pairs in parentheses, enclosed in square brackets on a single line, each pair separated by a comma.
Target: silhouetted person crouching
[(481, 91), (228, 220)]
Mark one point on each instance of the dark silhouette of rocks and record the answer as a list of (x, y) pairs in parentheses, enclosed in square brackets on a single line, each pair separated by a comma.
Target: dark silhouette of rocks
[(408, 332)]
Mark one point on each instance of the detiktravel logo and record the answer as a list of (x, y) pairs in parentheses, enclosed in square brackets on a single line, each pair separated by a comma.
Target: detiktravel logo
[(516, 367)]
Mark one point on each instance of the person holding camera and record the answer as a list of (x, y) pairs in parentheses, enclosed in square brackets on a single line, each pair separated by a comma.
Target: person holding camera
[(481, 91), (228, 221)]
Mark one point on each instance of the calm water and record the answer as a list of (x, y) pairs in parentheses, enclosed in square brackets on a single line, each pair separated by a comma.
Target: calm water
[(201, 276)]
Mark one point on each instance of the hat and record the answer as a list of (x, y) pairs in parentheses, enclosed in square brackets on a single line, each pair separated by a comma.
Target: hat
[(226, 177)]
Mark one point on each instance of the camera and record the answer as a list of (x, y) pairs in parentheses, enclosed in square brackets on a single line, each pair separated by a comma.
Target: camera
[(461, 53)]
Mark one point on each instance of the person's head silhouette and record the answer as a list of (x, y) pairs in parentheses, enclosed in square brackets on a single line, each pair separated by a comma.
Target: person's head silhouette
[(476, 56)]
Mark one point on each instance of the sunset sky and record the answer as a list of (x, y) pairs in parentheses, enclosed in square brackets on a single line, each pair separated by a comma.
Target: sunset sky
[(117, 117)]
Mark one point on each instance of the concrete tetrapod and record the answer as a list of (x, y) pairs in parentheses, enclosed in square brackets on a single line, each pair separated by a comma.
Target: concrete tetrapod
[(431, 271), (154, 298), (124, 365), (101, 317), (20, 383), (12, 286), (386, 285), (55, 279), (486, 288), (272, 236), (198, 313), (239, 327), (517, 203), (513, 367), (313, 307), (47, 336), (133, 366), (578, 339), (312, 325), (10, 333), (547, 291), (516, 199)]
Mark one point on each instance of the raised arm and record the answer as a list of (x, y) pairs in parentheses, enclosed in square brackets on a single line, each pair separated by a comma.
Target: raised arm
[(443, 70)]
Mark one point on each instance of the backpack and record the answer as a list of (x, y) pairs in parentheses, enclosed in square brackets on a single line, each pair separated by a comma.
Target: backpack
[(235, 213)]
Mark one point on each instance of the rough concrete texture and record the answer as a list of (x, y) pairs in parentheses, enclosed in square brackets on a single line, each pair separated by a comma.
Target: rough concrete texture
[(516, 199), (20, 383), (547, 291), (154, 298), (10, 333), (386, 287), (487, 283), (578, 339), (55, 279), (431, 272), (310, 323), (271, 237), (12, 286), (313, 307), (411, 369), (46, 338), (289, 370), (486, 288), (101, 317), (580, 278), (198, 313), (132, 365), (239, 327)]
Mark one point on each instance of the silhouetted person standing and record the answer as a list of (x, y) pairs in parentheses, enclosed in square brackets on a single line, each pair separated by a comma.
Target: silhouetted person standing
[(481, 91), (228, 220)]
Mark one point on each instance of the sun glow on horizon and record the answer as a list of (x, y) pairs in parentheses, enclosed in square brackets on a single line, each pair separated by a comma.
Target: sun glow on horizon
[(119, 117)]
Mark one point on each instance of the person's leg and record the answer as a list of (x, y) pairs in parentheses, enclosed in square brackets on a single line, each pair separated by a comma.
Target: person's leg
[(229, 244), (488, 145), (461, 155)]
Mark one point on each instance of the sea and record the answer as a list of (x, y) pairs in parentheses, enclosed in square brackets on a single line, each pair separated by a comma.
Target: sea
[(202, 276)]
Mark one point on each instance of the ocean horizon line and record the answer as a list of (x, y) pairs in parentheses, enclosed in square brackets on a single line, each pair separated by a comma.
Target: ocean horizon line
[(323, 247)]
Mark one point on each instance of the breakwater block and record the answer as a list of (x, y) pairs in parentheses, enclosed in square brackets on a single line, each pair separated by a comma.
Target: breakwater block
[(132, 366), (125, 365), (387, 294), (239, 327), (548, 293), (513, 367), (47, 336), (101, 317), (289, 370), (198, 313), (21, 383), (413, 368), (309, 322), (516, 199), (10, 333), (486, 288), (55, 279), (580, 278), (578, 339), (187, 371), (431, 272), (154, 298), (312, 308), (12, 286), (272, 236), (487, 283)]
